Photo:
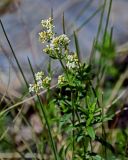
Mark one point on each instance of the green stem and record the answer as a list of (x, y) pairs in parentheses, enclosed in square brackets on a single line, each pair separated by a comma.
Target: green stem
[(73, 122), (100, 23), (83, 142), (63, 67), (91, 145), (106, 26), (103, 128), (49, 130), (95, 94), (78, 117)]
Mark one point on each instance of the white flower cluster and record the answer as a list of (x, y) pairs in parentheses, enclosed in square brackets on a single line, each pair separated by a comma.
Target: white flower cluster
[(47, 34), (39, 75), (33, 88), (48, 24), (46, 81), (54, 45), (72, 61), (57, 45), (61, 80), (60, 41), (40, 82)]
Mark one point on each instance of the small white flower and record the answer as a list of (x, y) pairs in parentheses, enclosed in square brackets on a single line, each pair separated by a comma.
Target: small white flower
[(31, 88), (39, 84), (46, 36), (39, 75), (72, 61), (52, 46), (61, 80), (71, 65), (64, 39), (47, 23), (72, 58), (46, 81), (61, 40)]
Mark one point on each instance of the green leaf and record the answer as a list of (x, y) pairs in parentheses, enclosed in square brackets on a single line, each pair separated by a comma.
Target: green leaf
[(97, 157), (90, 119), (91, 132), (61, 152), (92, 107), (79, 138)]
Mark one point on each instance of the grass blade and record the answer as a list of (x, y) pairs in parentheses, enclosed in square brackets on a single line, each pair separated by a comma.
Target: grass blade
[(101, 22), (85, 7), (77, 46), (63, 23), (49, 130), (107, 21), (89, 19), (14, 54), (45, 117)]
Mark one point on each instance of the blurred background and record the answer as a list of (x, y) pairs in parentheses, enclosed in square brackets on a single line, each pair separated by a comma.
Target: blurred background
[(21, 19)]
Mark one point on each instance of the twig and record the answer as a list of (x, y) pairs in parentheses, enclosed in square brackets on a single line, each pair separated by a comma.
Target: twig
[(117, 86), (25, 100), (17, 155), (115, 100)]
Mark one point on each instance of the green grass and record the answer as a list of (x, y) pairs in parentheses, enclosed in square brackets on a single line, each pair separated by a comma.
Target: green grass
[(75, 111)]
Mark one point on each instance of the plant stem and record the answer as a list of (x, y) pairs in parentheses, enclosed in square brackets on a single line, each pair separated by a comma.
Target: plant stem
[(63, 67), (49, 130), (106, 26), (100, 23), (73, 122), (83, 142)]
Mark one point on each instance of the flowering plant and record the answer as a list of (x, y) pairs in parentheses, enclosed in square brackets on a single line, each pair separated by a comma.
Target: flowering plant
[(83, 112), (73, 116)]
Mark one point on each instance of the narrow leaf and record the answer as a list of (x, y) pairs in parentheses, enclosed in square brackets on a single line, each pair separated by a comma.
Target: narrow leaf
[(91, 132)]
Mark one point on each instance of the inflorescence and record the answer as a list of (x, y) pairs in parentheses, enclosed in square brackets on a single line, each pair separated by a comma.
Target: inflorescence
[(40, 82), (56, 48)]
